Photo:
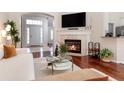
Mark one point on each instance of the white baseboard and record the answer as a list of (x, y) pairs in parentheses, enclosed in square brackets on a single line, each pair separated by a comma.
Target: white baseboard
[(117, 61), (76, 54)]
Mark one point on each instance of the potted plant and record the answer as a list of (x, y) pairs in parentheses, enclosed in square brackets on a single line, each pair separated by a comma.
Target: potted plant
[(105, 55), (13, 32), (63, 50)]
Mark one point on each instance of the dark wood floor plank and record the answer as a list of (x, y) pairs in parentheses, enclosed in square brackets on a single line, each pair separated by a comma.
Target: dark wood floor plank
[(114, 70)]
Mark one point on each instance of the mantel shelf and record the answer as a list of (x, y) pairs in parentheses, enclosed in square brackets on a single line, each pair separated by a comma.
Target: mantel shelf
[(75, 33)]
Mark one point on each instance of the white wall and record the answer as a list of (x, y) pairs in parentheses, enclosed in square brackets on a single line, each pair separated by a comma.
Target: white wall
[(81, 30), (99, 26), (81, 33), (93, 19), (111, 44), (120, 50), (16, 16), (97, 20), (112, 17), (3, 18)]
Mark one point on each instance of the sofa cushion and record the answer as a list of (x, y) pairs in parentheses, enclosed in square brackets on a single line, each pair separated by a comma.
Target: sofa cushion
[(9, 51)]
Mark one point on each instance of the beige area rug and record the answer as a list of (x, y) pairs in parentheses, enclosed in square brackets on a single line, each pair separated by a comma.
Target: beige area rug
[(42, 71)]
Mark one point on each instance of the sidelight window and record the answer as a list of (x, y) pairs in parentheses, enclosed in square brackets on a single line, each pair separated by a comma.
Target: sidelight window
[(28, 33)]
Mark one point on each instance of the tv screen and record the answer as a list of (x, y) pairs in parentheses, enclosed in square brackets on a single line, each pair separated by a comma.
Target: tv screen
[(74, 20)]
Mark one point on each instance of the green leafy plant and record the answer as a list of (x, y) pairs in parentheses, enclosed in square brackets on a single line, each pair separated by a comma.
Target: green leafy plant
[(13, 32), (105, 53), (63, 49)]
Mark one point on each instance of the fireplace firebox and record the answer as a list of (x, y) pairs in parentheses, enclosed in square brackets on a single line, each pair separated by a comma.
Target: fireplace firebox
[(73, 46)]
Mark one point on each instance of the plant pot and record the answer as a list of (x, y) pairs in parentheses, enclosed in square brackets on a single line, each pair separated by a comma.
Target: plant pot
[(63, 55), (106, 59)]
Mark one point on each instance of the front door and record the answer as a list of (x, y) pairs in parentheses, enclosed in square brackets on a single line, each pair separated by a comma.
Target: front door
[(37, 30), (35, 35)]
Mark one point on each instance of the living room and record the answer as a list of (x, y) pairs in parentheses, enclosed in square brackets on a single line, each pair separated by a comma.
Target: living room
[(49, 54), (96, 27)]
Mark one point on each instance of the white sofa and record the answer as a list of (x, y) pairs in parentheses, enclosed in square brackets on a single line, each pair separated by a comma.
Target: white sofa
[(19, 67)]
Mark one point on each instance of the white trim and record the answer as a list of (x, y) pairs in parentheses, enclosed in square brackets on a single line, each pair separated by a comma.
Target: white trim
[(81, 34), (74, 32), (117, 61), (120, 62)]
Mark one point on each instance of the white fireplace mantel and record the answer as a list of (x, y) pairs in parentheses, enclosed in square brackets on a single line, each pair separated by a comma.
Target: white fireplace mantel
[(84, 36), (74, 32)]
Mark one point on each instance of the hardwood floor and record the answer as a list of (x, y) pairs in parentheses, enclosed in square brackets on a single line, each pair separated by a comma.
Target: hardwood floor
[(41, 54), (114, 70)]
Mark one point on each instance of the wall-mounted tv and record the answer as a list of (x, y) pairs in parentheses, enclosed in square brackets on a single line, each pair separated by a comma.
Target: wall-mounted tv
[(74, 20)]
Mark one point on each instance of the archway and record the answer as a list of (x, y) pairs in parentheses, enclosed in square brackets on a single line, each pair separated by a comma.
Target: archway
[(37, 30)]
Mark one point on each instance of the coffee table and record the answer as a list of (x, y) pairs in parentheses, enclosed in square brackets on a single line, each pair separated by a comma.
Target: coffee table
[(58, 63)]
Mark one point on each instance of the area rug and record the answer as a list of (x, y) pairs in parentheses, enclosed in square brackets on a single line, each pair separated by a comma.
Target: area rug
[(42, 71)]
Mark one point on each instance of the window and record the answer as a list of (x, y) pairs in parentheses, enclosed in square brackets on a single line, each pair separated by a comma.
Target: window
[(34, 22), (28, 34), (51, 37), (41, 35)]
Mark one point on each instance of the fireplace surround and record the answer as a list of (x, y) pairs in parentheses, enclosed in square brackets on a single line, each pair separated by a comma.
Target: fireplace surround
[(73, 46), (82, 35)]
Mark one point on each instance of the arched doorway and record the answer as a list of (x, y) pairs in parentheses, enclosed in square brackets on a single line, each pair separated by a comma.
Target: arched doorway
[(37, 30)]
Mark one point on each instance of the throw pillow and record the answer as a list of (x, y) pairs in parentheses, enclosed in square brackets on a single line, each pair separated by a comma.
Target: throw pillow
[(9, 51)]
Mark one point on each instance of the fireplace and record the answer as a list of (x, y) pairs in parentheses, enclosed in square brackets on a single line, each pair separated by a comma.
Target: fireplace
[(73, 46)]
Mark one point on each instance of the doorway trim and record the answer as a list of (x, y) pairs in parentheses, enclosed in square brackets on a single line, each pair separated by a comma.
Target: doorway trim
[(32, 15)]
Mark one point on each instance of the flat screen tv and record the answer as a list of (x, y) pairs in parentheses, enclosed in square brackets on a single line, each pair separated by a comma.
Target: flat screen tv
[(74, 20)]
